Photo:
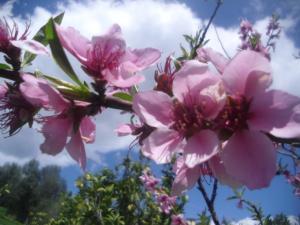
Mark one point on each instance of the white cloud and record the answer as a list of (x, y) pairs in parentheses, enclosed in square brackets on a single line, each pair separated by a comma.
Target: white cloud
[(147, 23), (248, 221), (6, 8)]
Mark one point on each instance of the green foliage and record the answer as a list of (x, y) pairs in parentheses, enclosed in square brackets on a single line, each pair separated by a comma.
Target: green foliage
[(31, 189), (123, 96), (111, 197), (58, 52), (40, 37), (6, 220)]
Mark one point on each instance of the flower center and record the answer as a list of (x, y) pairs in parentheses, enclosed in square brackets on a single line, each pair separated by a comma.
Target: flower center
[(189, 119), (234, 115), (105, 55)]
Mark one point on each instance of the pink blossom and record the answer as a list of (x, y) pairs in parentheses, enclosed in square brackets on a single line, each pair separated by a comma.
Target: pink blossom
[(106, 57), (178, 220), (126, 129), (209, 55), (182, 121), (11, 43), (252, 109), (187, 177), (15, 110), (150, 182), (60, 130), (166, 203)]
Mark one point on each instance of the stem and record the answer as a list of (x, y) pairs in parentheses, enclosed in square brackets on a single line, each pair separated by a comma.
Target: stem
[(222, 46), (219, 3), (210, 202), (9, 74), (115, 103)]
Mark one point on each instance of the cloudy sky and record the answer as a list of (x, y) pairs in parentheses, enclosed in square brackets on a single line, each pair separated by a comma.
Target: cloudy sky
[(158, 24)]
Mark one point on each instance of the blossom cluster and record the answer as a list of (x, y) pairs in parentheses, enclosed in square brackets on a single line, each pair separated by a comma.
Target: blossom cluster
[(219, 122), (165, 202), (106, 58)]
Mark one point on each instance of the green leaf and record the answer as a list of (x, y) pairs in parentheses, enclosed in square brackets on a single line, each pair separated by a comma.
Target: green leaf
[(58, 52), (40, 37), (5, 66), (124, 96)]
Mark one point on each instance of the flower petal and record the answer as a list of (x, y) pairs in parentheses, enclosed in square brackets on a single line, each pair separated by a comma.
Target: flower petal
[(31, 46), (161, 145), (122, 77), (200, 148), (153, 108), (76, 149), (125, 129), (244, 64), (55, 131), (74, 42), (88, 130), (115, 30), (250, 157), (219, 171), (292, 128), (216, 58), (189, 76), (272, 109), (185, 179), (39, 93), (142, 58), (3, 90)]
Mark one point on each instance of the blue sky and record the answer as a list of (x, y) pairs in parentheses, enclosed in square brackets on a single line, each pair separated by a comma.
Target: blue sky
[(162, 33)]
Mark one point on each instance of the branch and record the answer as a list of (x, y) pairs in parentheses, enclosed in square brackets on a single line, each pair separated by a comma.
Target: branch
[(214, 192), (219, 3), (10, 74), (115, 103), (210, 202)]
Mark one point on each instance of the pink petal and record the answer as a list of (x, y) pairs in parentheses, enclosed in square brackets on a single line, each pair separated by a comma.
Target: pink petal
[(122, 77), (161, 145), (31, 46), (3, 90), (185, 179), (76, 149), (272, 109), (256, 84), (38, 92), (125, 129), (212, 99), (88, 130), (244, 64), (115, 30), (55, 131), (209, 55), (189, 76), (292, 128), (74, 42), (153, 108), (142, 58), (200, 148), (250, 157), (219, 171)]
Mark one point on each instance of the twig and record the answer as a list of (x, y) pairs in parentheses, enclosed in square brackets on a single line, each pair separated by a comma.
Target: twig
[(10, 74), (219, 3), (219, 39), (210, 202)]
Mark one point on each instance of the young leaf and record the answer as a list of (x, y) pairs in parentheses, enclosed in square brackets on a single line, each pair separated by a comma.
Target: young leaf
[(58, 52), (40, 37), (123, 96), (5, 66)]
